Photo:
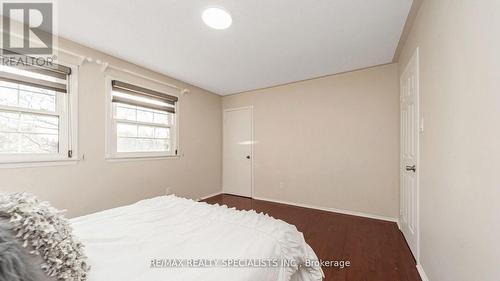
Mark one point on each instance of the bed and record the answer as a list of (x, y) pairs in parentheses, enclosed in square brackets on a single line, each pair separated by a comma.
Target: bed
[(172, 238)]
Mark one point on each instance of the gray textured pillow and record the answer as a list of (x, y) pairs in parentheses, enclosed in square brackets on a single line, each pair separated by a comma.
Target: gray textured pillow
[(16, 263), (47, 239)]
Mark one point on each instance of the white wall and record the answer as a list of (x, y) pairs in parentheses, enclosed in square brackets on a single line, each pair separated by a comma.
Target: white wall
[(460, 100), (331, 142), (96, 184)]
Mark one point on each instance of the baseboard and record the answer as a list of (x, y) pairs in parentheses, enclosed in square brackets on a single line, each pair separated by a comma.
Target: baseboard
[(421, 271), (209, 195), (333, 210)]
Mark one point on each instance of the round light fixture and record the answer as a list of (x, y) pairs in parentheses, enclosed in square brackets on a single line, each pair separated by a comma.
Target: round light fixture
[(217, 18)]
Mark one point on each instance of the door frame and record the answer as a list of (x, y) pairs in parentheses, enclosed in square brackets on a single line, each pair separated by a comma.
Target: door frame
[(416, 58), (252, 142)]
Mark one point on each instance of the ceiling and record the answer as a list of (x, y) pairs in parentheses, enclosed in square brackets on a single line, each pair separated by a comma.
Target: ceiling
[(270, 42)]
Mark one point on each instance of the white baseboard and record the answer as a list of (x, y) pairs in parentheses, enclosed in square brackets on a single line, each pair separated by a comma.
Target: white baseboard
[(421, 271), (209, 195), (333, 210)]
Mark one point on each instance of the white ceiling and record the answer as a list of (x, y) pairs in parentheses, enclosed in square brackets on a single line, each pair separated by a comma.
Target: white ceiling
[(271, 42)]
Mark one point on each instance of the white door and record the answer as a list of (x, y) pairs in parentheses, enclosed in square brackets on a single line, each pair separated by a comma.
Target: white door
[(237, 152), (409, 85)]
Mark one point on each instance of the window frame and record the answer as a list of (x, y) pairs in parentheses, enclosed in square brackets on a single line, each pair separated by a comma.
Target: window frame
[(111, 152), (67, 111)]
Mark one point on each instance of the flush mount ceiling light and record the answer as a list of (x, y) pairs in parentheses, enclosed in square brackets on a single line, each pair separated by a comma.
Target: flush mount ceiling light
[(217, 18)]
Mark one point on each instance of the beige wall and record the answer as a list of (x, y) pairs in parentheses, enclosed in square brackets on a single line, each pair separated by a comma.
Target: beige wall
[(96, 184), (460, 156), (332, 142)]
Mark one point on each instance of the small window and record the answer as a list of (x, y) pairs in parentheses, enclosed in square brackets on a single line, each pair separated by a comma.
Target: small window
[(35, 107), (143, 122)]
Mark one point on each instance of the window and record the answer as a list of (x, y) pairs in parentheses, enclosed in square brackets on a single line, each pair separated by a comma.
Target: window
[(35, 107), (142, 122)]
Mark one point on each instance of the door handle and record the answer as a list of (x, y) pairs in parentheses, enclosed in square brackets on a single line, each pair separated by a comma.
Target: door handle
[(248, 157), (411, 168)]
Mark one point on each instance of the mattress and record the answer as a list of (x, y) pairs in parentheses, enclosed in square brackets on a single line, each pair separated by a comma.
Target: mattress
[(172, 238)]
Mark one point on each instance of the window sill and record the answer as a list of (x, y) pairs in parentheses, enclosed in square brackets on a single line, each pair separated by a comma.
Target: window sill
[(142, 158), (47, 163)]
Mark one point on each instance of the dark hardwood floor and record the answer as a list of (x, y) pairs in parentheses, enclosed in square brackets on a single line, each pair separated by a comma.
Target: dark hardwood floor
[(376, 249)]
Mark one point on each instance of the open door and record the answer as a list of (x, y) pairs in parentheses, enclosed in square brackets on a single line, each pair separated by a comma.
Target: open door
[(410, 121)]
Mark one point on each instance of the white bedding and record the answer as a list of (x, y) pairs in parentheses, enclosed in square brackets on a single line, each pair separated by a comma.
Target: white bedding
[(121, 243)]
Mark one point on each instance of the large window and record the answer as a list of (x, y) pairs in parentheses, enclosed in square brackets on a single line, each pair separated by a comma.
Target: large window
[(142, 122), (35, 107)]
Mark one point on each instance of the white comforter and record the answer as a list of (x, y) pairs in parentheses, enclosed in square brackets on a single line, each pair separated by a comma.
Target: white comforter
[(121, 243)]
